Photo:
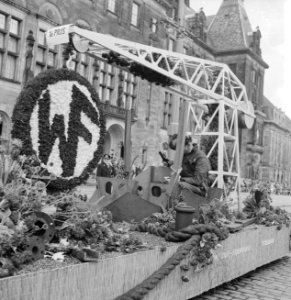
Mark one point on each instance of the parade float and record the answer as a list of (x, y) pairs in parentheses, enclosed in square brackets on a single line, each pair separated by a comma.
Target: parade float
[(132, 241)]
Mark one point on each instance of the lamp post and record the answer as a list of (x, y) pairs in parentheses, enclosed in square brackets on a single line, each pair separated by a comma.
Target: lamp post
[(127, 137)]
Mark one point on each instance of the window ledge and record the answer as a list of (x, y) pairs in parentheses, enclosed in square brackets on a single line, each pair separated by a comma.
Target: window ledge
[(12, 53), (40, 63), (14, 35), (134, 27), (112, 13), (9, 80)]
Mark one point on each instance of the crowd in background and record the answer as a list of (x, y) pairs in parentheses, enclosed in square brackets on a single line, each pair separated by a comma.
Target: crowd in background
[(247, 185), (112, 166)]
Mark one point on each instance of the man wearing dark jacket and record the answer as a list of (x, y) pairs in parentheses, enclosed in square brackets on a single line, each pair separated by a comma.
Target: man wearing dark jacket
[(195, 166), (105, 167)]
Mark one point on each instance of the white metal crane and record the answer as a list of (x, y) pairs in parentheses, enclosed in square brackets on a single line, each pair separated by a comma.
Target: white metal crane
[(209, 83)]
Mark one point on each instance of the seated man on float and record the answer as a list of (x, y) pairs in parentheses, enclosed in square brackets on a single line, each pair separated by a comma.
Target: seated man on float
[(195, 166)]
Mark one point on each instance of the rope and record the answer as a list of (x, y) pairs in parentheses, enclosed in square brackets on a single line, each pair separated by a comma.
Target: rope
[(181, 235), (191, 234), (138, 292)]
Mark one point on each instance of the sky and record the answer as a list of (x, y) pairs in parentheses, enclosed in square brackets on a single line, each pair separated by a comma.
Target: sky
[(271, 16)]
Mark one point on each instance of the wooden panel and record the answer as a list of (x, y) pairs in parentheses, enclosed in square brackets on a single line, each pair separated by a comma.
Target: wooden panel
[(102, 197), (240, 253), (131, 207)]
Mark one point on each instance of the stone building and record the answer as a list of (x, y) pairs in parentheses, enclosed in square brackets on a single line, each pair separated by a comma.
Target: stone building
[(235, 43), (226, 37), (24, 53), (276, 163)]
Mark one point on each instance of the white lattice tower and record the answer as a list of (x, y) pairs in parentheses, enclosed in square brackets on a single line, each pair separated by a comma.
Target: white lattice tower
[(225, 142)]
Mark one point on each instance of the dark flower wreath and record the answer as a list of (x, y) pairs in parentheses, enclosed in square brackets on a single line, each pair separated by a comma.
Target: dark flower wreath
[(139, 70), (36, 92)]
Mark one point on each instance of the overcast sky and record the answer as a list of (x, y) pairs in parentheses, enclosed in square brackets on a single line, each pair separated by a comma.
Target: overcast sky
[(271, 16)]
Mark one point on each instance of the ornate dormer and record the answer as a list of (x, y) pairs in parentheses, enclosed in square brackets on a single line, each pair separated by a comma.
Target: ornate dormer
[(197, 25)]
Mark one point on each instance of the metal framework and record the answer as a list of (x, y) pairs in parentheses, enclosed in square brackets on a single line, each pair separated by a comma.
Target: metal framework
[(208, 83)]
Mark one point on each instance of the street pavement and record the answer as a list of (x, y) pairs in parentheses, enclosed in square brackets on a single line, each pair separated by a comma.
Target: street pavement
[(270, 282), (283, 202)]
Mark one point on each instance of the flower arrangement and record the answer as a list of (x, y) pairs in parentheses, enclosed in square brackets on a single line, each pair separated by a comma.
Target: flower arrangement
[(258, 205), (78, 231), (165, 219), (216, 213), (19, 196), (57, 117)]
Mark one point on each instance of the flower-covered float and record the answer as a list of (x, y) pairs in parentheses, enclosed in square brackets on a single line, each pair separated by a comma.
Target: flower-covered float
[(47, 228)]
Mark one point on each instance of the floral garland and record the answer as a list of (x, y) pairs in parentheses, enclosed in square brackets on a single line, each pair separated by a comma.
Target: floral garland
[(58, 117), (258, 205), (141, 71)]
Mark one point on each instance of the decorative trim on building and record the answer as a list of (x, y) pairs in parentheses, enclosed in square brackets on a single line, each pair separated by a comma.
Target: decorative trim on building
[(242, 51), (29, 12), (260, 114), (269, 122), (165, 3), (16, 5), (116, 112)]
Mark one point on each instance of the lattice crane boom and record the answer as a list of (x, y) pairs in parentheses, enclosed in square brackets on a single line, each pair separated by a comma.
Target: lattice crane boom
[(211, 83), (201, 75)]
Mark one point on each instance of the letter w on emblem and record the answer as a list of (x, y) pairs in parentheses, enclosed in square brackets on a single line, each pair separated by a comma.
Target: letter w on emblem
[(48, 133)]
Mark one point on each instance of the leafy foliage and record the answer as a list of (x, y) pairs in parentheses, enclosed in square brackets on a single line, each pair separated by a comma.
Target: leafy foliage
[(125, 244), (215, 213), (166, 219), (202, 256), (258, 204), (13, 254)]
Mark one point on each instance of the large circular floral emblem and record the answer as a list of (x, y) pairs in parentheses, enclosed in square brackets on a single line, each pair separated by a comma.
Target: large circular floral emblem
[(57, 117)]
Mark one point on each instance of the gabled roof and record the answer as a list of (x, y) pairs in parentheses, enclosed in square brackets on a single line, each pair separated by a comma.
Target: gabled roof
[(209, 20), (230, 27), (268, 103)]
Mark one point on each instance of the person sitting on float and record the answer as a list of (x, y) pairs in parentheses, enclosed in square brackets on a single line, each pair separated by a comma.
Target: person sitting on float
[(195, 166)]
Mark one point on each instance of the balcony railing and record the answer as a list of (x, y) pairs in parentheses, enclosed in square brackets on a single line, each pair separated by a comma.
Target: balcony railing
[(116, 112)]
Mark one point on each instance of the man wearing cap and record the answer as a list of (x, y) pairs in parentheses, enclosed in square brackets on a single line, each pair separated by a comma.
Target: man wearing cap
[(195, 166)]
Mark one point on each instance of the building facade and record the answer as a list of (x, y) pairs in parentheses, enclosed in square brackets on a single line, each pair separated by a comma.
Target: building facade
[(24, 53), (276, 164), (226, 37)]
